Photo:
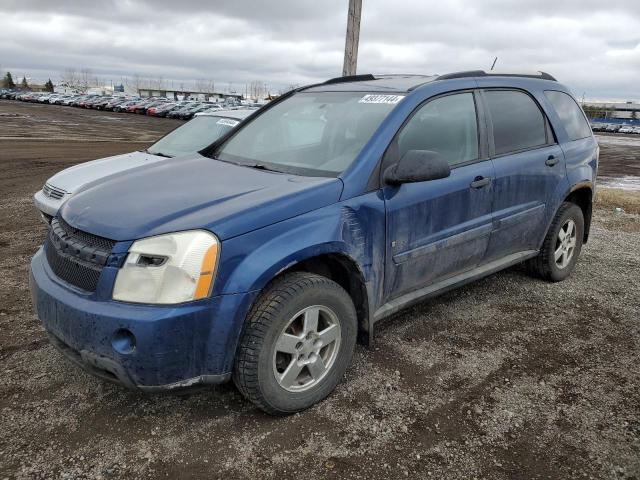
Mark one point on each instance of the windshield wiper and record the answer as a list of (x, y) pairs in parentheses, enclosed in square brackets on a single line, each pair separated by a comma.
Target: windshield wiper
[(259, 166), (160, 154)]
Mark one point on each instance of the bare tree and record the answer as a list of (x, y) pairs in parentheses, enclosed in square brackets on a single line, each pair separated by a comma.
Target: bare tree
[(204, 86), (135, 83), (257, 89), (157, 83), (87, 79), (70, 78)]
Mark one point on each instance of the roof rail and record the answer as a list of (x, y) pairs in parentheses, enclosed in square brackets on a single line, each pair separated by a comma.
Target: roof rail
[(350, 78), (482, 73)]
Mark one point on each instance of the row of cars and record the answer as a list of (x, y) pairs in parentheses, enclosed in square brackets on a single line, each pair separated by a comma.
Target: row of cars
[(615, 128), (154, 106)]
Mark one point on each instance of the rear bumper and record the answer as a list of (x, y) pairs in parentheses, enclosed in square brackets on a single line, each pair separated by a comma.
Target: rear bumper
[(143, 347)]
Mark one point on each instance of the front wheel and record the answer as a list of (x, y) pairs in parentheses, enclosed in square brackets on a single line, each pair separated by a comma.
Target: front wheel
[(297, 344), (561, 246)]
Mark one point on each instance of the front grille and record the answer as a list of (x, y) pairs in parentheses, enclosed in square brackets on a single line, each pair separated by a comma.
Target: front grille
[(75, 256), (53, 192), (84, 237)]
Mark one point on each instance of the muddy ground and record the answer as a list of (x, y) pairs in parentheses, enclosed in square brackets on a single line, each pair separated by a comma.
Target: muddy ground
[(507, 378)]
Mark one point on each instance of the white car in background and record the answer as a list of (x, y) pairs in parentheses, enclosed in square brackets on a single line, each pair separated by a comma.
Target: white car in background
[(626, 129), (201, 131)]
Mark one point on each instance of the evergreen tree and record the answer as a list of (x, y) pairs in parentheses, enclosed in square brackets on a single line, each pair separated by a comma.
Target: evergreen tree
[(24, 85), (8, 81), (48, 86)]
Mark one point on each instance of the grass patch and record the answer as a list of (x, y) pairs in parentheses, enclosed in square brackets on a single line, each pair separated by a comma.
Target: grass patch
[(615, 197)]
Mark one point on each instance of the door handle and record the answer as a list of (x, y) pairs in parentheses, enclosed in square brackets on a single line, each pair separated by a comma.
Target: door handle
[(551, 161), (480, 182)]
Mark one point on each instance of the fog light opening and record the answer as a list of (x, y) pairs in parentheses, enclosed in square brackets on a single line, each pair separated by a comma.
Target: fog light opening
[(123, 341)]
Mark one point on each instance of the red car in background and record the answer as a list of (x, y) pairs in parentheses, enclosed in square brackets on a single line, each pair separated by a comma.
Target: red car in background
[(134, 107), (161, 110)]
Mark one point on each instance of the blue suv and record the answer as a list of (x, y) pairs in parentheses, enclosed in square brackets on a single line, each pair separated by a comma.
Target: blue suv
[(266, 256)]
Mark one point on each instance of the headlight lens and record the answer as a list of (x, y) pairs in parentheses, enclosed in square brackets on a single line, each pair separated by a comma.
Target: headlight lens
[(166, 269)]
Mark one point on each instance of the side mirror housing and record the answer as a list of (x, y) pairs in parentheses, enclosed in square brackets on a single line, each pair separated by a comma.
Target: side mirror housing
[(417, 166)]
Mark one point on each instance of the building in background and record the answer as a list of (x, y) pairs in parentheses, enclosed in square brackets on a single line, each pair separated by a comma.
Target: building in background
[(612, 111), (189, 94)]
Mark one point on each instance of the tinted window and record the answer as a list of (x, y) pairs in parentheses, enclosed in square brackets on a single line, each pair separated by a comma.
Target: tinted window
[(518, 123), (445, 125), (570, 114)]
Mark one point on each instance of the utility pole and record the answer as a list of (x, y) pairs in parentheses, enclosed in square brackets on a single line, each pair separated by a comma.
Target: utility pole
[(353, 37)]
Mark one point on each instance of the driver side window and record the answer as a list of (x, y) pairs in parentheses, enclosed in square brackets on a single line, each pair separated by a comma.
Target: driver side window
[(447, 125)]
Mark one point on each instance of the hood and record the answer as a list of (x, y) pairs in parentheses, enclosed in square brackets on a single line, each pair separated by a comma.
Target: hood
[(194, 192), (74, 178)]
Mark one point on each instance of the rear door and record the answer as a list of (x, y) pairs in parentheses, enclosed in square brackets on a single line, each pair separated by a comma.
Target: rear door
[(441, 227), (529, 166)]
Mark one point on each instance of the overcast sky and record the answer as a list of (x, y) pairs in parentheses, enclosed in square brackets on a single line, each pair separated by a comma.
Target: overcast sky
[(593, 46)]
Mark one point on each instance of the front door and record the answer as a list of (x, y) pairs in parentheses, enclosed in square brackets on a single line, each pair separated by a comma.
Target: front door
[(438, 228)]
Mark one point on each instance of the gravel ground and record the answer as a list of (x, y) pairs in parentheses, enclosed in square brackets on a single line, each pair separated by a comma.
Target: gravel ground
[(507, 378)]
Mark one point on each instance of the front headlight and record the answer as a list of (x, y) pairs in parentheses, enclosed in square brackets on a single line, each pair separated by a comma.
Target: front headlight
[(173, 268)]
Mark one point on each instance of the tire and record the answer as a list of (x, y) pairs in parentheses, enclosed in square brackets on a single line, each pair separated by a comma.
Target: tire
[(274, 380), (546, 265)]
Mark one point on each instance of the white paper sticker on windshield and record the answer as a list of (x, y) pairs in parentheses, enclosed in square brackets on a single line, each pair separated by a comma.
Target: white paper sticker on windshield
[(228, 122), (388, 99)]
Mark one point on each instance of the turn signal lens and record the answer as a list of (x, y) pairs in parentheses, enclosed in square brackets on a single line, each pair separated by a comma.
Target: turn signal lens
[(205, 282)]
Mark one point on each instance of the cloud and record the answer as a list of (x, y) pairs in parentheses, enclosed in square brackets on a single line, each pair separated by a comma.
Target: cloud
[(589, 45)]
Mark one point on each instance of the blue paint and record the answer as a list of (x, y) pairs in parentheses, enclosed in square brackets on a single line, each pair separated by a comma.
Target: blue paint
[(396, 239)]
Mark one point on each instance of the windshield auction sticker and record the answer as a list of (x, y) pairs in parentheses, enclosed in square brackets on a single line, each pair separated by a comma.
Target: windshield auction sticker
[(228, 122), (388, 99)]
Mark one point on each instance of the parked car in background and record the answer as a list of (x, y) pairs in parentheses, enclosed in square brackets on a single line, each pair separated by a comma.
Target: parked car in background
[(101, 103), (613, 128), (263, 258), (626, 129), (180, 108), (188, 138), (164, 110), (111, 104), (158, 110), (142, 109), (124, 106)]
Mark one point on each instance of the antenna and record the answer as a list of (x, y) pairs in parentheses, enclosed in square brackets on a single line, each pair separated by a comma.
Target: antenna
[(494, 63)]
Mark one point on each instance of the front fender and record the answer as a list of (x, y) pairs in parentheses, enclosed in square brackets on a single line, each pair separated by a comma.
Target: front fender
[(353, 228)]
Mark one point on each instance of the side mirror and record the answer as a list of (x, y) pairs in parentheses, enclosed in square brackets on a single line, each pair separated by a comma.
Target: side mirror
[(417, 166)]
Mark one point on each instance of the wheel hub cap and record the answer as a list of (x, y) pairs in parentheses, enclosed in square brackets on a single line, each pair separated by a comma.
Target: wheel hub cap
[(306, 348), (565, 244)]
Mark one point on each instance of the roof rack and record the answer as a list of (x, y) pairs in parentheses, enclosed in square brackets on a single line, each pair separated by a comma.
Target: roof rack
[(482, 73), (350, 78)]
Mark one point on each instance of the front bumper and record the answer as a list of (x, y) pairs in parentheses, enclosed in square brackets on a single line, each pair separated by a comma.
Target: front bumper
[(165, 347)]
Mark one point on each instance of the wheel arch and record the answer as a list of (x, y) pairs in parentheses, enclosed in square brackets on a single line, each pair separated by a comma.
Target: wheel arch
[(582, 196), (341, 268)]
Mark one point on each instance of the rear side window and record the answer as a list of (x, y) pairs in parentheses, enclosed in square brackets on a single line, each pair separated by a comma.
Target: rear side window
[(518, 123), (570, 114), (446, 125)]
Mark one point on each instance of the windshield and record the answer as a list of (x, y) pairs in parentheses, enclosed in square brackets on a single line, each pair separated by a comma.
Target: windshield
[(193, 136), (310, 133)]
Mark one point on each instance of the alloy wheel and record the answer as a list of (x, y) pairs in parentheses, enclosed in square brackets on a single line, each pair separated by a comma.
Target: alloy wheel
[(565, 244), (306, 348)]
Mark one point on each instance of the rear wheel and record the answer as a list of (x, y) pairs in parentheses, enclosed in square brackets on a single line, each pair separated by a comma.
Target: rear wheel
[(297, 343), (561, 246)]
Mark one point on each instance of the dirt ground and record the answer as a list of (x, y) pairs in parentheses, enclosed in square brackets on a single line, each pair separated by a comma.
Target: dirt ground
[(507, 378)]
